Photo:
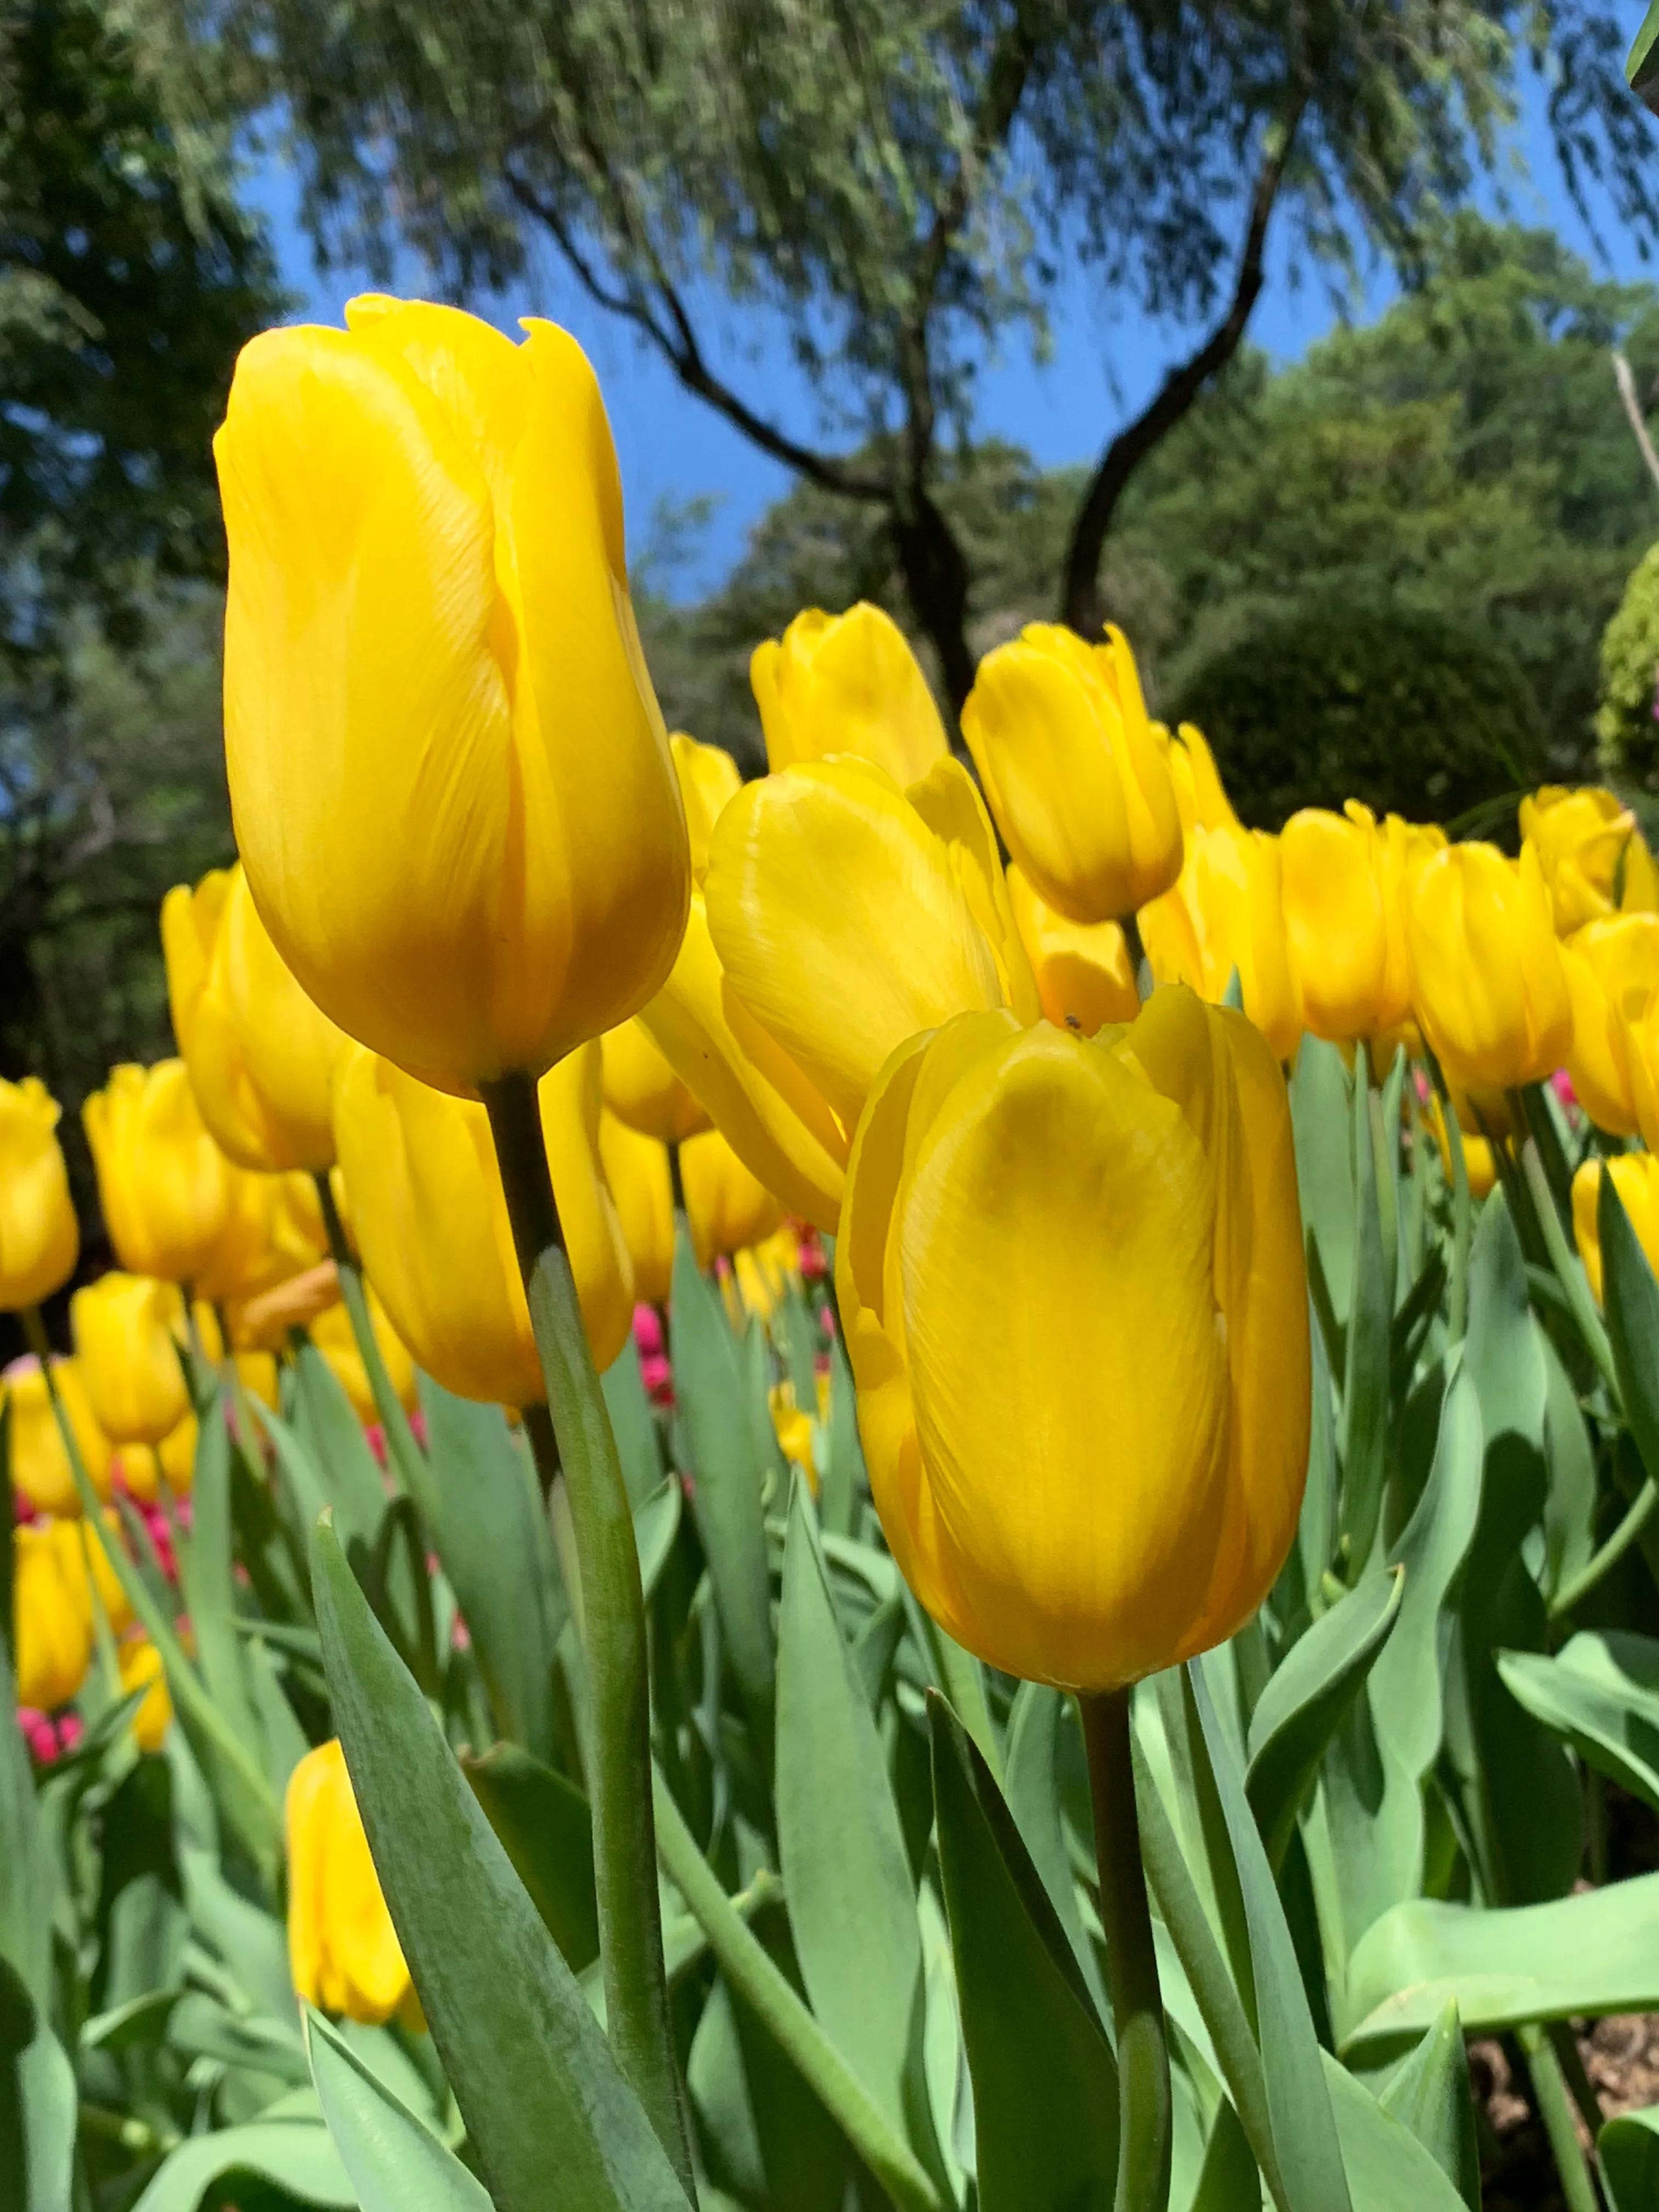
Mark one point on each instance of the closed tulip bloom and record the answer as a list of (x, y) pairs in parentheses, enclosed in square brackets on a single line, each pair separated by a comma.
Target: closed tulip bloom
[(40, 1240), (1613, 970), (1595, 859), (643, 1090), (1226, 916), (709, 778), (1083, 971), (1071, 1276), (1074, 772), (335, 1338), (261, 1056), (128, 1332), (273, 1232), (163, 1184), (1636, 1179), (174, 1457), (1343, 887), (846, 684), (636, 1169), (342, 1949), (792, 1426), (40, 1464), (449, 776), (432, 1222), (141, 1668), (762, 1273), (1201, 796), (51, 1631), (1490, 988), (1480, 1164), (87, 1568), (726, 1206)]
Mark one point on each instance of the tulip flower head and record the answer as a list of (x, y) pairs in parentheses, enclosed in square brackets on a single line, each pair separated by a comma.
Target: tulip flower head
[(449, 776), (708, 780), (1636, 1179), (164, 1185), (726, 1207), (1612, 968), (1225, 916), (51, 1626), (141, 1668), (846, 684), (1345, 880), (643, 1090), (40, 1240), (1074, 772), (1071, 1276), (1490, 988), (40, 1463), (636, 1169), (129, 1334), (342, 1949), (1595, 859), (1084, 975)]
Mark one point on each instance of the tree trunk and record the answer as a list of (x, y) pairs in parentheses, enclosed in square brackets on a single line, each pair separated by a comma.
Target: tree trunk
[(935, 572)]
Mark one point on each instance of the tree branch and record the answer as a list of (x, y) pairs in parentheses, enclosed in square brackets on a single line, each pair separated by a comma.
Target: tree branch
[(1080, 594), (1633, 406)]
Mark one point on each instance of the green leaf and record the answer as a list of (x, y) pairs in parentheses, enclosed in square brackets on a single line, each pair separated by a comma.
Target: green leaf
[(490, 1536), (1228, 2181), (326, 1423), (534, 2079), (1631, 1303), (1365, 1403), (36, 2106), (729, 1475), (394, 2160), (1387, 2169), (656, 1524), (844, 1480), (1590, 1954), (1322, 1112), (545, 1829), (1305, 2132), (1305, 1699), (294, 2155), (1035, 1727), (1628, 2147), (204, 1573), (1045, 2087), (1572, 1496), (1429, 2095), (1642, 71), (633, 1424), (1601, 1694), (845, 1873)]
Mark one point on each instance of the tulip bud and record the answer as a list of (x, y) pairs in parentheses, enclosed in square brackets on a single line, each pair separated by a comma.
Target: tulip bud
[(1201, 796), (273, 1232), (1083, 971), (1116, 1489), (163, 1184), (1595, 859), (761, 1274), (449, 776), (1344, 885), (1491, 991), (40, 1240), (1636, 1179), (335, 1338), (1225, 917), (636, 1169), (142, 1668), (708, 779), (792, 1426), (726, 1206), (40, 1464), (1612, 968), (643, 1090), (342, 1949), (51, 1635), (175, 1455), (1074, 772), (846, 684), (1479, 1165), (128, 1332), (261, 1056), (432, 1224)]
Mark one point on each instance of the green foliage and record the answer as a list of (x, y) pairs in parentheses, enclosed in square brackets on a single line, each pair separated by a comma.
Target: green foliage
[(1409, 712), (1625, 725)]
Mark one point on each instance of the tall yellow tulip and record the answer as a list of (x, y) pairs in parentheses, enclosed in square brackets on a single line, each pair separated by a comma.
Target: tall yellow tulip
[(1116, 1488), (51, 1631), (643, 1090), (1595, 859), (342, 1949), (708, 779), (432, 1222), (40, 1240), (846, 684), (1084, 974), (128, 1332), (261, 1056), (1636, 1179), (1201, 796), (1480, 1162), (636, 1169), (1074, 772), (1345, 882), (163, 1183), (1226, 916), (1490, 988), (1612, 968), (726, 1207), (141, 1666), (40, 1464), (449, 776), (273, 1232)]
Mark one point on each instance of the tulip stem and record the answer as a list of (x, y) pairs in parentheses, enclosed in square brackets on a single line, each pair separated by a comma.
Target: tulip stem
[(613, 1614), (1143, 2055), (401, 1442)]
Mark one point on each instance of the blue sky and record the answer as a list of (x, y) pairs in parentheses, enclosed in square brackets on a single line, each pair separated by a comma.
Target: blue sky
[(1103, 364)]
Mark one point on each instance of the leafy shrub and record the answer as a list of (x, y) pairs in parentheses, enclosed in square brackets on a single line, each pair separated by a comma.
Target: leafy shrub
[(1401, 708), (1625, 727)]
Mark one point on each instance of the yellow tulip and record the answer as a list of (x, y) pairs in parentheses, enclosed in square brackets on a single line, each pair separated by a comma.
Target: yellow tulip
[(1595, 859), (142, 1668), (1344, 886), (40, 1239), (1480, 1162), (1491, 991), (51, 1631), (643, 1090), (1201, 796), (726, 1207), (334, 1337), (709, 778), (1083, 971), (163, 1183), (175, 1455), (449, 776), (1226, 915), (1636, 1179), (1115, 1486), (87, 1566), (761, 1274), (1074, 772), (1612, 969), (342, 1949), (128, 1332), (261, 1056), (432, 1222), (40, 1464), (273, 1232), (792, 1426), (846, 684), (636, 1169)]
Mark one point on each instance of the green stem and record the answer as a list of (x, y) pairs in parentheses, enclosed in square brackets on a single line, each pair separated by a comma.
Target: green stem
[(1569, 1273), (1595, 1569), (1457, 1295), (401, 1443), (751, 1974), (1139, 967), (1143, 2056), (1555, 2110), (608, 1564)]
